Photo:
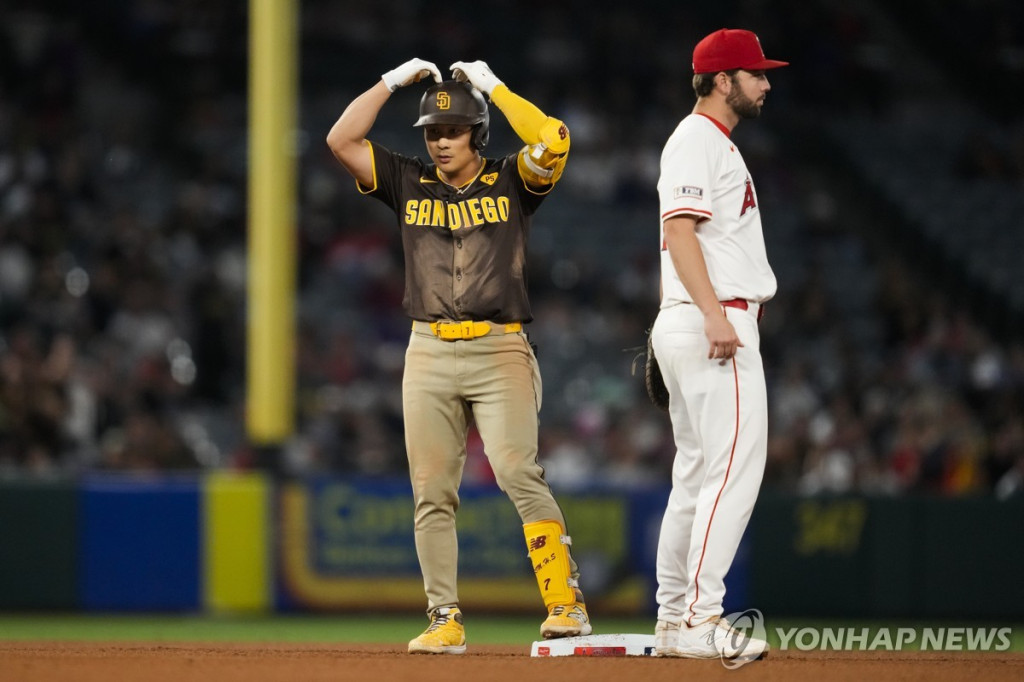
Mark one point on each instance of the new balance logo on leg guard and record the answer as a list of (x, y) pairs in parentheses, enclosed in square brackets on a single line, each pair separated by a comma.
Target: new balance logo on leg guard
[(548, 548)]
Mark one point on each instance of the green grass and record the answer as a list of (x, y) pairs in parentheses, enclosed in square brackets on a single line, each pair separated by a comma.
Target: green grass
[(278, 628), (388, 629)]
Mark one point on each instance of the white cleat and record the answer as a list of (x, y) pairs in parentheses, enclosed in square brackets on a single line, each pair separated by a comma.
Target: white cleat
[(713, 638)]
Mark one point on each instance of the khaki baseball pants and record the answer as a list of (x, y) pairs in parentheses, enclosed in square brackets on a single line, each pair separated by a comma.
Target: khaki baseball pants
[(495, 381)]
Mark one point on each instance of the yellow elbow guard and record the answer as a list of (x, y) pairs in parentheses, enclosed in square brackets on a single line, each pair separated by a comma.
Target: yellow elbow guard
[(539, 166), (542, 160), (548, 546), (542, 163)]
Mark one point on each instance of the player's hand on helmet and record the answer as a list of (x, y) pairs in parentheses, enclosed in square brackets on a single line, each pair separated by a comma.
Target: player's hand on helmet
[(478, 74), (409, 73)]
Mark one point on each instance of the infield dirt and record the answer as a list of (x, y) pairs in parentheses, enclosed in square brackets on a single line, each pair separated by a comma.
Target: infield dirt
[(182, 662)]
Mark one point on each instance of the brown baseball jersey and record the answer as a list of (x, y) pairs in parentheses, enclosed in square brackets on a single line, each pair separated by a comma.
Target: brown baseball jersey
[(465, 248)]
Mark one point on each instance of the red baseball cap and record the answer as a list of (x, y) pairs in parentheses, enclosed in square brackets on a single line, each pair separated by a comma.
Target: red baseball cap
[(731, 48)]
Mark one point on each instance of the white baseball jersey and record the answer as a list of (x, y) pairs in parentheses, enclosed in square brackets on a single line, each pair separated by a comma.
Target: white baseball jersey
[(703, 175)]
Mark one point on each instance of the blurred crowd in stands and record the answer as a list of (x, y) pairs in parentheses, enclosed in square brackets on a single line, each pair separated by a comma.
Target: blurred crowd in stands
[(123, 252)]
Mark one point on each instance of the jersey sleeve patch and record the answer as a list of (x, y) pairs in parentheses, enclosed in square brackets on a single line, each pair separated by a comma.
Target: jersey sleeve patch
[(687, 191)]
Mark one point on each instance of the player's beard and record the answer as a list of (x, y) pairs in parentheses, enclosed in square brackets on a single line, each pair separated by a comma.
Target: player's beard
[(741, 104)]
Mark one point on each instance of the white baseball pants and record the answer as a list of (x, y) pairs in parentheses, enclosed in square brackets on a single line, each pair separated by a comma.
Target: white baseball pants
[(719, 418)]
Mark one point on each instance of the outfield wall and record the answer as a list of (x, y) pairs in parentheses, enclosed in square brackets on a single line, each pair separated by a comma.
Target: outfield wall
[(225, 543)]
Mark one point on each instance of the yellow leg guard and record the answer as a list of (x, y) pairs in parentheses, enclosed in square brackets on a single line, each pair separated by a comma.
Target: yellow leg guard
[(548, 544)]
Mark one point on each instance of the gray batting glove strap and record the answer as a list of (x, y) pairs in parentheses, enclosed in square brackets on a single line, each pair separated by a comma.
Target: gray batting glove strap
[(409, 73), (478, 74)]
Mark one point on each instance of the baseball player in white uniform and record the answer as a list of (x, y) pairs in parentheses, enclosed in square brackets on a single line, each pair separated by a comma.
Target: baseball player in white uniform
[(715, 280)]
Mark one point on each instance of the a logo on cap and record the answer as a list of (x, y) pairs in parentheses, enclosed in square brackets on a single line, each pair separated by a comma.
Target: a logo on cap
[(444, 102)]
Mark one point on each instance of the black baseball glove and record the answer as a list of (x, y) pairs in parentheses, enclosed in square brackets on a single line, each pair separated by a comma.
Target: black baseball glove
[(653, 381)]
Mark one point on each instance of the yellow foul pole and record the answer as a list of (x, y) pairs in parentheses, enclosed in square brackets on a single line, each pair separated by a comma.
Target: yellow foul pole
[(273, 97)]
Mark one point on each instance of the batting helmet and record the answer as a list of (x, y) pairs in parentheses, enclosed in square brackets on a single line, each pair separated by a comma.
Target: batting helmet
[(456, 103)]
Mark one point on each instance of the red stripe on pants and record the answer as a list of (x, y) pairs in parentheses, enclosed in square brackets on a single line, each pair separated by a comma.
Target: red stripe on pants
[(707, 532)]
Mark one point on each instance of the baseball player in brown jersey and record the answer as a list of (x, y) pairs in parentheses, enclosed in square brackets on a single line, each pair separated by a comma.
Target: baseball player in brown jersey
[(464, 221)]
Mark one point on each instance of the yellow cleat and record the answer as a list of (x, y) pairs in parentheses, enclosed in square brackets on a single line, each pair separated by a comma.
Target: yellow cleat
[(445, 635), (566, 621)]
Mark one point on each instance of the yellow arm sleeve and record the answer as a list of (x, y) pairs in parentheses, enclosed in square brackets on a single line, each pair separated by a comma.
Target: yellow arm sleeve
[(542, 161)]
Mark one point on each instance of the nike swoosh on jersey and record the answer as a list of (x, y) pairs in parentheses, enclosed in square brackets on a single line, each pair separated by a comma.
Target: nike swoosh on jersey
[(425, 181)]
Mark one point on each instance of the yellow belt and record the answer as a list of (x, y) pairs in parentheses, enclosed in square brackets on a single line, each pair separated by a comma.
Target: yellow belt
[(455, 331)]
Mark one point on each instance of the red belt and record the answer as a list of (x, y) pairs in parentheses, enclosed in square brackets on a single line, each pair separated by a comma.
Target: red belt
[(742, 304)]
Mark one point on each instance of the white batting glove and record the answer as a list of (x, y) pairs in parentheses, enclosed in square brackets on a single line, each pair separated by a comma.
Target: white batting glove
[(409, 73), (478, 74)]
